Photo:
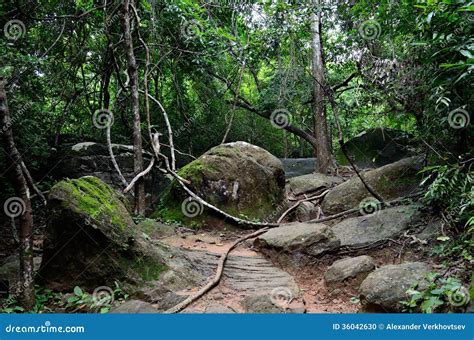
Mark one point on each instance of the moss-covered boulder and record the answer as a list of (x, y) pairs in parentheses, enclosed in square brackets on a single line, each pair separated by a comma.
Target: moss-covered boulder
[(240, 178), (91, 239), (390, 181), (376, 147)]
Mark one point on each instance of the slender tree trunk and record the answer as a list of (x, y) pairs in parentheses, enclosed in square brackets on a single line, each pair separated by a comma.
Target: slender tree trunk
[(137, 135), (323, 151), (27, 288)]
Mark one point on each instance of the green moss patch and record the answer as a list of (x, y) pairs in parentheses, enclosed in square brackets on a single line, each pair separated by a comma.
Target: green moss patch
[(93, 199)]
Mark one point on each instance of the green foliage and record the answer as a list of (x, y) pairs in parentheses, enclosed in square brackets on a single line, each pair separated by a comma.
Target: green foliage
[(435, 294), (450, 187), (48, 301), (450, 190)]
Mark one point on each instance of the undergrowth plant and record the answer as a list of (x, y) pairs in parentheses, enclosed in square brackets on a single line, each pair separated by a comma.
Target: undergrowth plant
[(436, 294)]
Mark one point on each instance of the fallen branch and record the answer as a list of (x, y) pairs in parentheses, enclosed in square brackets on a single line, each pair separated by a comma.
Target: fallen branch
[(215, 281), (298, 203), (140, 175), (332, 217)]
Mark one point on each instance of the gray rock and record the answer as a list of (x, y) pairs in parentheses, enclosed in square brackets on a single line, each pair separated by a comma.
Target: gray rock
[(298, 166), (155, 229), (134, 307), (308, 238), (352, 267), (170, 300), (265, 304), (93, 159), (239, 178), (91, 239), (382, 225), (390, 181), (312, 182), (260, 304), (376, 147), (384, 288), (159, 295), (217, 308), (305, 211), (431, 230)]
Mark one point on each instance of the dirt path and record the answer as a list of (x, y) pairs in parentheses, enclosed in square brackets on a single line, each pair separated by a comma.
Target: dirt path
[(249, 275)]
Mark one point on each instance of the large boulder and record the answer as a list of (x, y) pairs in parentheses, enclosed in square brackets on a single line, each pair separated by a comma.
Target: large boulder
[(241, 179), (376, 147), (311, 182), (307, 238), (91, 240), (352, 267), (382, 225), (384, 288), (390, 181)]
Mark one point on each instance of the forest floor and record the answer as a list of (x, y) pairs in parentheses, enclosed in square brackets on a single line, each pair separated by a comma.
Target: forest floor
[(308, 274)]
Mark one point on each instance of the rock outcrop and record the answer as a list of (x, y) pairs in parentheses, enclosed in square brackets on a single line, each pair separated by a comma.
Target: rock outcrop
[(381, 225), (298, 166), (306, 238), (311, 182), (376, 147), (384, 288), (91, 240), (352, 267), (93, 159), (241, 179), (390, 181)]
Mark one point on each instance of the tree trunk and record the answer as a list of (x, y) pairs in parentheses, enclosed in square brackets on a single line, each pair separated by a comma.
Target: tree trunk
[(323, 150), (137, 135), (27, 287)]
